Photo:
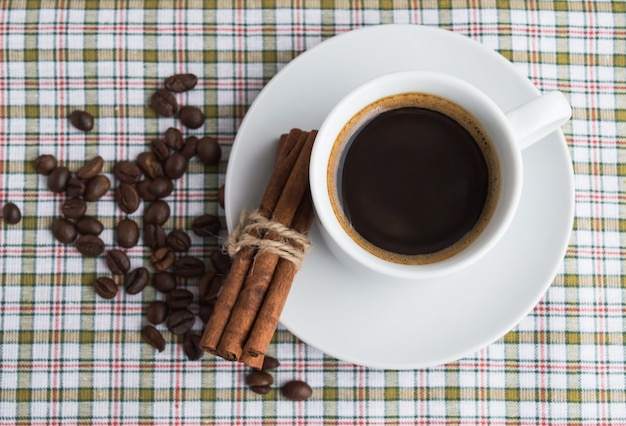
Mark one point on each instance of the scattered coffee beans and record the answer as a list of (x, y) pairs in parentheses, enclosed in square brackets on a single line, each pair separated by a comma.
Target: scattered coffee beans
[(118, 262), (164, 281), (11, 213), (63, 230), (220, 261), (156, 213), (150, 165), (259, 381), (127, 198), (188, 266), (175, 166), (89, 225), (179, 298), (137, 280), (97, 187), (207, 225), (160, 149), (90, 245), (190, 147), (296, 390), (270, 363), (157, 312), (58, 178), (153, 337), (162, 259), (191, 347), (74, 208), (181, 82), (105, 287), (209, 151), (127, 233), (154, 236), (261, 390), (180, 321), (178, 240), (75, 187), (91, 168), (191, 117), (164, 103), (143, 190), (127, 171), (174, 138), (45, 163), (82, 120), (161, 187)]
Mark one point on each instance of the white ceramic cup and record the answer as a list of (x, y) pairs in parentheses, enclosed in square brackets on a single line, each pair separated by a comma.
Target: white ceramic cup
[(509, 132)]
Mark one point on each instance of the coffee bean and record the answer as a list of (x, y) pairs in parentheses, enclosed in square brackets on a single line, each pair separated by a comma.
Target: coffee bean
[(261, 390), (45, 163), (205, 283), (164, 281), (220, 196), (58, 178), (181, 82), (191, 347), (162, 259), (190, 147), (127, 233), (180, 321), (153, 337), (161, 187), (97, 187), (118, 262), (259, 378), (173, 138), (270, 363), (164, 103), (157, 312), (209, 151), (156, 213), (90, 245), (11, 213), (205, 311), (74, 208), (179, 298), (207, 225), (153, 236), (191, 117), (149, 164), (82, 120), (178, 240), (75, 187), (127, 198), (91, 168), (105, 287), (63, 230), (160, 149), (296, 390), (220, 261), (188, 266), (127, 171), (89, 225), (175, 166), (137, 280), (143, 189)]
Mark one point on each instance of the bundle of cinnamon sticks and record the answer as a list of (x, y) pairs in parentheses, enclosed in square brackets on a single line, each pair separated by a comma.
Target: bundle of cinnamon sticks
[(255, 290)]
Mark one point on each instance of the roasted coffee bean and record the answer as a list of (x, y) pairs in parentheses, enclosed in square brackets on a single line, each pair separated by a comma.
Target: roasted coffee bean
[(173, 138), (82, 120), (153, 337), (188, 266), (220, 261), (179, 298), (259, 378), (156, 213), (157, 312), (149, 164), (137, 280), (164, 281), (220, 196), (118, 262), (63, 230), (180, 321), (175, 166), (89, 225), (153, 236), (207, 225), (90, 245), (261, 390), (181, 82), (205, 311), (127, 171), (11, 213), (270, 363), (97, 187), (178, 240), (209, 151), (162, 259), (58, 178), (74, 208), (205, 283), (143, 189), (190, 147), (191, 347), (127, 198), (127, 233), (160, 149), (191, 117), (161, 187), (296, 390), (209, 292), (164, 103), (75, 187), (91, 168), (45, 163), (105, 287)]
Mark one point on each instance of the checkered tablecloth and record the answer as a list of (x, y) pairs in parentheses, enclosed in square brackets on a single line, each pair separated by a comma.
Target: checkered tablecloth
[(70, 357)]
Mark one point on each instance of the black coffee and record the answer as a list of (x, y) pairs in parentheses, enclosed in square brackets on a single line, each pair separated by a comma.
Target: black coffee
[(418, 179)]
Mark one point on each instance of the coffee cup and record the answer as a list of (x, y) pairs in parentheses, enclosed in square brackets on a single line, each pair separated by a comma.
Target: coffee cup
[(418, 174)]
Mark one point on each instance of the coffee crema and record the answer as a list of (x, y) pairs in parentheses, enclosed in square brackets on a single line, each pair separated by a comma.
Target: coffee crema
[(413, 178)]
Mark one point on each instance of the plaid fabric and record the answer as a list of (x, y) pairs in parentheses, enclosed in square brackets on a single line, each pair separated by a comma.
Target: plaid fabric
[(68, 356)]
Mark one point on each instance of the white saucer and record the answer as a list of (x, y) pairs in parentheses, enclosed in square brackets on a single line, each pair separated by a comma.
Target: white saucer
[(396, 324)]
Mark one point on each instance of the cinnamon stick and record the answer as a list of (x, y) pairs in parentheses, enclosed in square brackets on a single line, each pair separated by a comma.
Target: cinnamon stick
[(287, 154), (256, 283)]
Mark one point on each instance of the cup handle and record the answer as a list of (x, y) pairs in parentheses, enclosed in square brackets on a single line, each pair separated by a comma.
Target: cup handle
[(539, 117)]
